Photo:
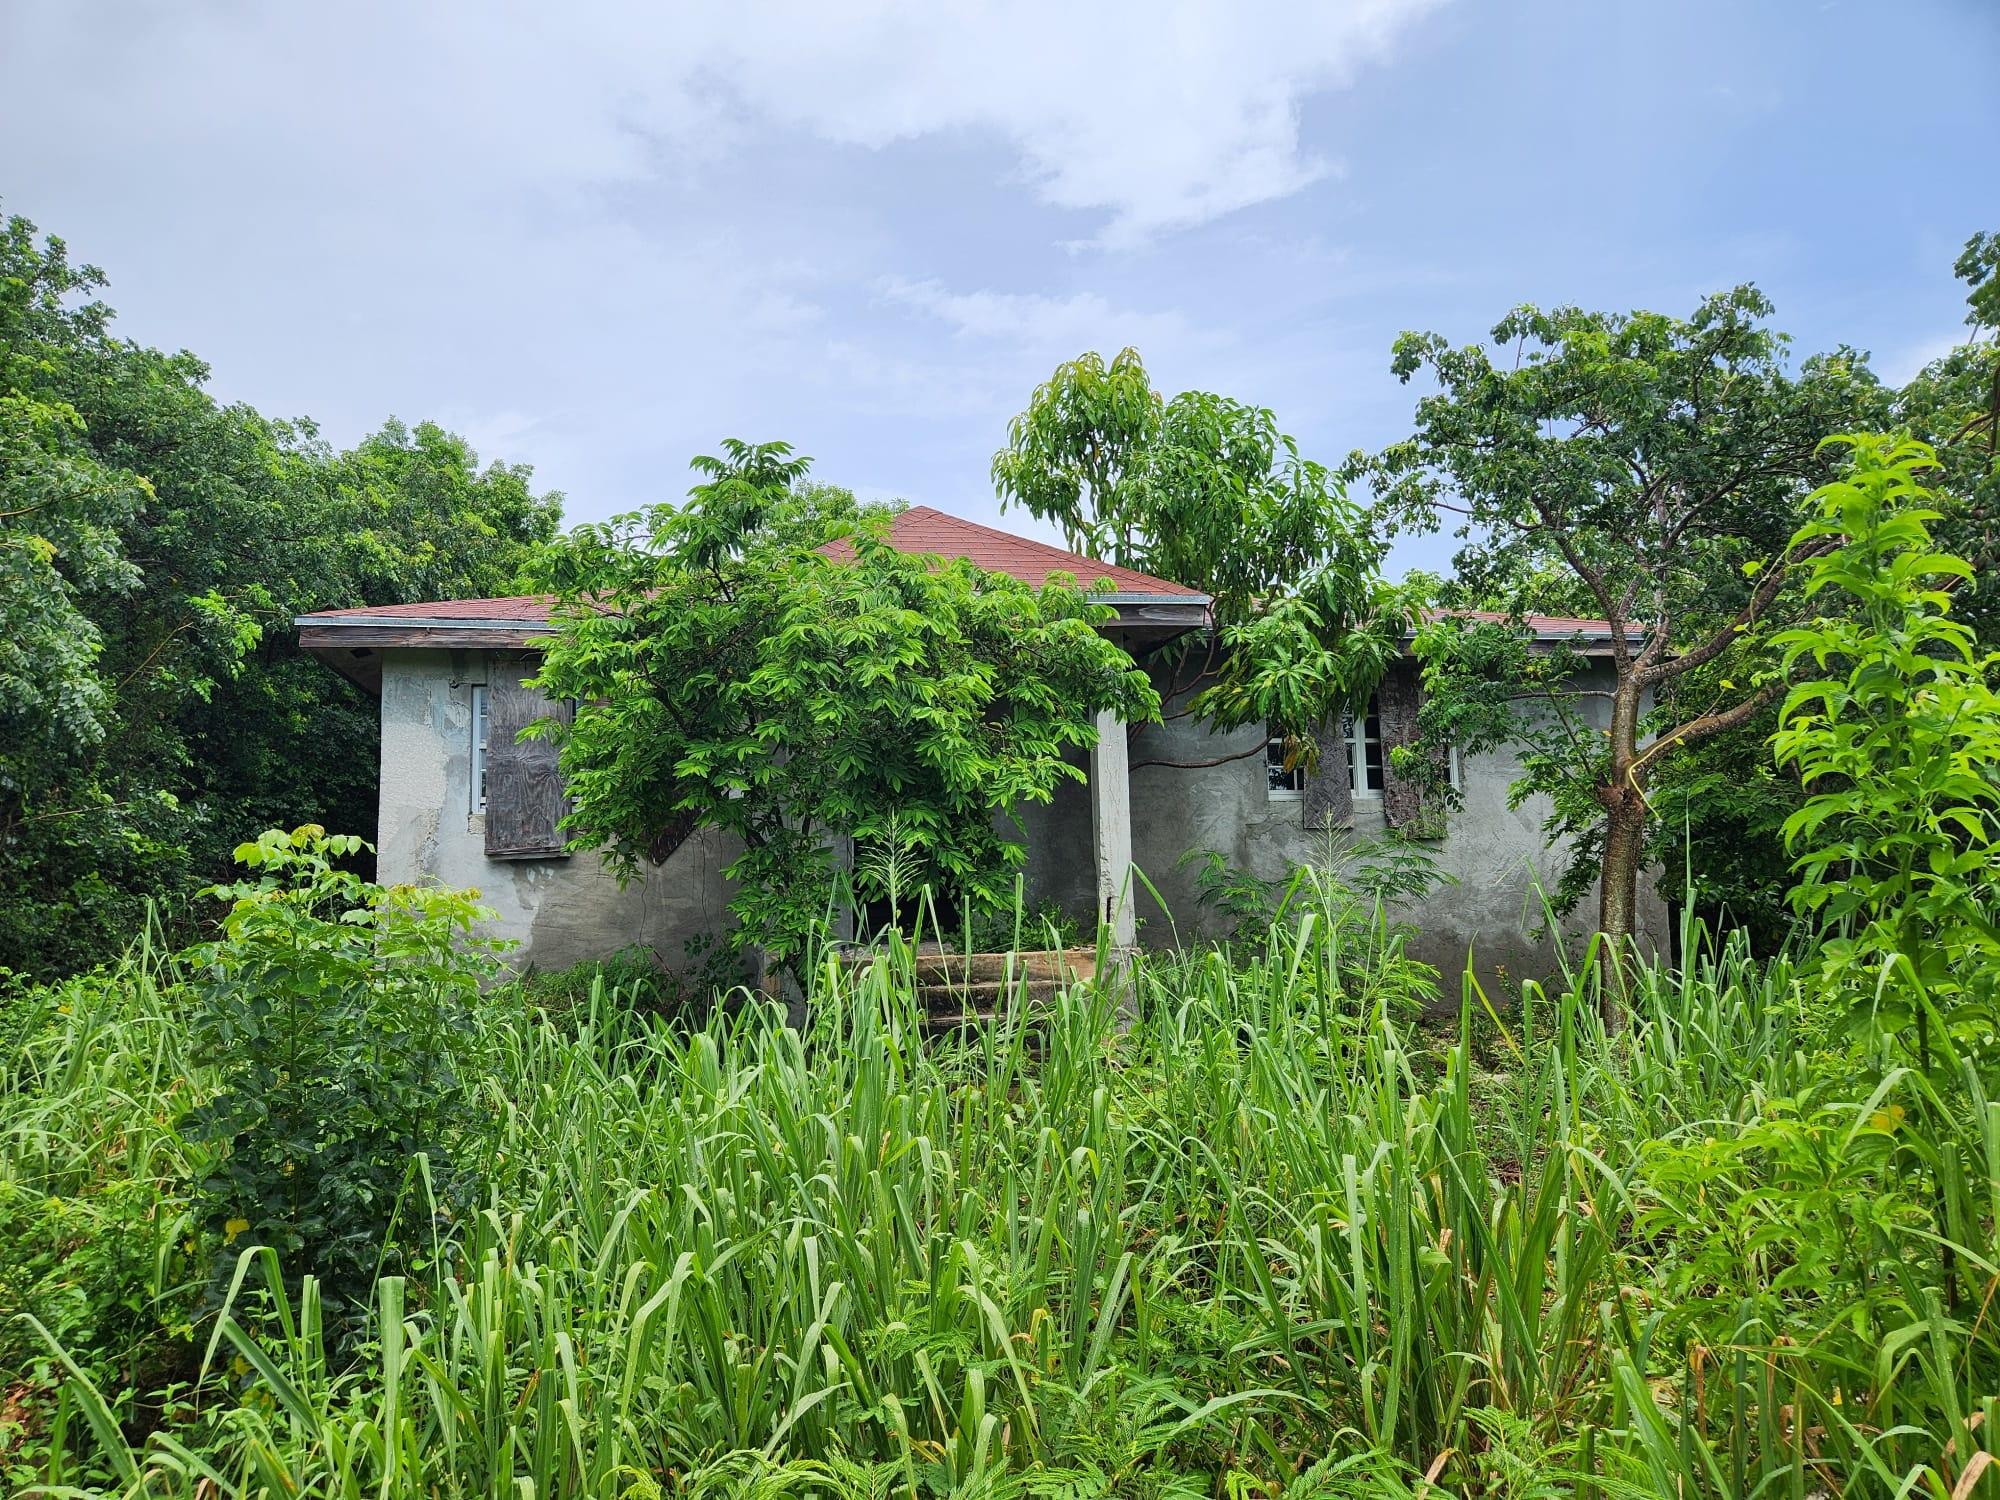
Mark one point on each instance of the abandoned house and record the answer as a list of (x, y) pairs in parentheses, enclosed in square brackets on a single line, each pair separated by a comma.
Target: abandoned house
[(462, 803)]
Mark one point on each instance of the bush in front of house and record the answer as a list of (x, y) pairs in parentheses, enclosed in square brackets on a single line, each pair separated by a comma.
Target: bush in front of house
[(339, 1022)]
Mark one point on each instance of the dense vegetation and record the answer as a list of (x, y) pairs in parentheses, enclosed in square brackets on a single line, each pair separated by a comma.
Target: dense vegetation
[(729, 672), (290, 1214), (1651, 471), (155, 546), (1271, 1230)]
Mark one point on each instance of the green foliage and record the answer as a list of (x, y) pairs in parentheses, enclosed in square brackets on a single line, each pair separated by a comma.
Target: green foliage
[(1954, 404), (1722, 810), (1719, 841), (1978, 266), (1206, 491), (1245, 901), (638, 978), (98, 1245), (1661, 463), (335, 1017), (1896, 738), (154, 548), (728, 673), (1047, 926), (1346, 893), (1229, 1223), (1361, 873)]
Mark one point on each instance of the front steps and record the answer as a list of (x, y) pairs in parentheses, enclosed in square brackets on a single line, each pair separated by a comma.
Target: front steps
[(961, 990)]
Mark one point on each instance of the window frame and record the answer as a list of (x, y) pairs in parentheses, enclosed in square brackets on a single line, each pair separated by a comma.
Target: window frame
[(478, 734), (1356, 745), (1273, 792)]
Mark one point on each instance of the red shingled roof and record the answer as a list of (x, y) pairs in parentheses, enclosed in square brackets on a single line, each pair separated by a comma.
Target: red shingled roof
[(917, 530), (921, 529)]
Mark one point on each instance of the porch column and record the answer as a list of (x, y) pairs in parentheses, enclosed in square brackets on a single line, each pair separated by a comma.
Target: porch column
[(1111, 828)]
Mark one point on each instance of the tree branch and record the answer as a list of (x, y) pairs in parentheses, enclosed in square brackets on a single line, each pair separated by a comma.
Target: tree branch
[(1200, 765), (1592, 579), (1708, 725), (1759, 600)]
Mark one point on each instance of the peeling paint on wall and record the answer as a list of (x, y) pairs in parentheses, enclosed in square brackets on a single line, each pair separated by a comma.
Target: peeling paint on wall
[(566, 910), (558, 911)]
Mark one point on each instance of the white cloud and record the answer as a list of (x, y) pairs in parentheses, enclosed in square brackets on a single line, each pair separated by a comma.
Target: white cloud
[(1157, 115), (598, 236), (1083, 320), (1146, 116)]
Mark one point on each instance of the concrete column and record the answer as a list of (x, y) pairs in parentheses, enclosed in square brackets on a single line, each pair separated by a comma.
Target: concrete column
[(1111, 828)]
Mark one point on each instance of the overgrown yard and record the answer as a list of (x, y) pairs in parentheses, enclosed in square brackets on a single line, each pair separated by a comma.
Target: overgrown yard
[(331, 1205), (1268, 1234)]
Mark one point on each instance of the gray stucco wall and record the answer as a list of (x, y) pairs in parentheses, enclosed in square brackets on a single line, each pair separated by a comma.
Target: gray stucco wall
[(560, 911), (1495, 855)]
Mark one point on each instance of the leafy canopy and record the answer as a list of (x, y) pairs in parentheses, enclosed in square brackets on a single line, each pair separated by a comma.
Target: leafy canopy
[(154, 548), (1208, 492), (730, 674), (1954, 404), (1652, 468), (1722, 811)]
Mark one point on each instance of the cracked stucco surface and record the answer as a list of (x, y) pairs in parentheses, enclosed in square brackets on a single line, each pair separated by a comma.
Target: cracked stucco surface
[(559, 911), (566, 910)]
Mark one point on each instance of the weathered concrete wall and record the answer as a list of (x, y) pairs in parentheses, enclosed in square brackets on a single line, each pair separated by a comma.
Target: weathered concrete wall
[(560, 911), (1495, 855)]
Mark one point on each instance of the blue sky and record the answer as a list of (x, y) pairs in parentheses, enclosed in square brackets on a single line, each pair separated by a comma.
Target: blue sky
[(599, 237)]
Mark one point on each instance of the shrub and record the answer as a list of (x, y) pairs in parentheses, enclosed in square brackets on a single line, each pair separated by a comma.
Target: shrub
[(1897, 743), (338, 1017)]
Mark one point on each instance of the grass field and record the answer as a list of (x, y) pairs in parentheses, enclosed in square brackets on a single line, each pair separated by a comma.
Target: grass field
[(1233, 1224)]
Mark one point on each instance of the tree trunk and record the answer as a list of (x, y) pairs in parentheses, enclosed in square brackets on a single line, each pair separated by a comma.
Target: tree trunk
[(1618, 901), (1623, 798)]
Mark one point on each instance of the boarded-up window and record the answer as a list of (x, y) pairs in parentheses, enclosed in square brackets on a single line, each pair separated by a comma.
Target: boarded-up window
[(1329, 786), (1407, 804), (524, 788)]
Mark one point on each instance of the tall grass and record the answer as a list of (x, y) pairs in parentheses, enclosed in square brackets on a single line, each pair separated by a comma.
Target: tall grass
[(1215, 1224)]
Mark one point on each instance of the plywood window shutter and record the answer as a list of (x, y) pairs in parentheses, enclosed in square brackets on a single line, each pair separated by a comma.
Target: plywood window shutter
[(1329, 788), (524, 786), (1405, 805)]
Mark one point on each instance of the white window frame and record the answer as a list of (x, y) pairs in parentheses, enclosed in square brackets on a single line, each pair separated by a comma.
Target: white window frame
[(1357, 751), (479, 723), (1297, 773)]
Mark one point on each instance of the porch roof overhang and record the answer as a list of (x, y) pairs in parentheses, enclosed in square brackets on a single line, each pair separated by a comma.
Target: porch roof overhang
[(351, 642)]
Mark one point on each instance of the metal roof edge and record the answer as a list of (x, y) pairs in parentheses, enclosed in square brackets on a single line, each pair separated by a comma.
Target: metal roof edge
[(428, 622), (1193, 601)]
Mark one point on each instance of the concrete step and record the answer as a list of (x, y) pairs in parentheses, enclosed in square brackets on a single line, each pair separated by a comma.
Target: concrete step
[(960, 968), (960, 990), (985, 995), (955, 1007)]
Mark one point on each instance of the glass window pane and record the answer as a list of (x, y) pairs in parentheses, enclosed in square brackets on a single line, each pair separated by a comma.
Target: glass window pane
[(478, 748), (1280, 778)]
